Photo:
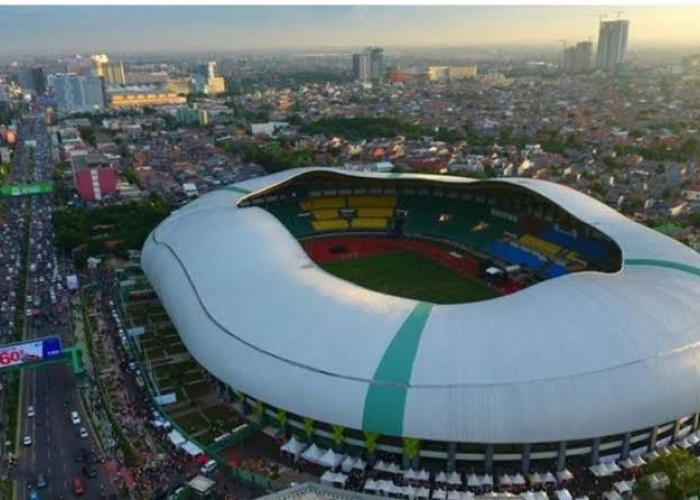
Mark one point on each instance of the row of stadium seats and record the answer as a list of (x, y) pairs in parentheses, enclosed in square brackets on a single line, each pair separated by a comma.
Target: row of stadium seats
[(590, 248), (366, 223), (541, 246), (336, 202)]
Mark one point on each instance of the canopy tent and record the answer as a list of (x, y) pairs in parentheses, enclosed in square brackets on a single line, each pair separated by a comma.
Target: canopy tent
[(385, 486), (486, 480), (348, 464), (584, 497), (423, 492), (370, 485), (330, 459), (313, 454), (505, 480), (396, 489), (541, 495), (453, 495), (454, 479), (565, 475), (683, 443), (410, 475), (693, 439), (394, 468), (176, 438), (473, 481), (191, 449), (658, 481), (340, 478), (409, 491), (652, 455), (639, 461), (535, 478), (613, 467), (424, 475), (441, 477), (527, 495), (612, 495), (627, 464), (466, 495), (518, 479), (360, 464), (294, 447), (564, 494), (622, 487), (549, 478), (327, 478), (381, 466), (439, 494)]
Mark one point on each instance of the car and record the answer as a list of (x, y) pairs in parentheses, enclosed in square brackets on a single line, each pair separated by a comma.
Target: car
[(40, 481), (90, 457), (74, 417), (27, 440), (208, 468), (82, 432), (90, 471), (30, 411), (78, 485), (33, 495), (80, 455)]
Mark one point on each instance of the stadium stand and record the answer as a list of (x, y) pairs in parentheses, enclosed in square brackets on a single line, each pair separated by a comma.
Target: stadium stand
[(288, 215), (372, 201), (322, 202), (325, 214), (541, 246), (554, 270), (369, 223), (514, 255), (330, 225), (375, 212), (591, 248)]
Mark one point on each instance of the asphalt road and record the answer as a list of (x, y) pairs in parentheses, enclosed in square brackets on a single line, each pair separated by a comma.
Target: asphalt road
[(52, 390)]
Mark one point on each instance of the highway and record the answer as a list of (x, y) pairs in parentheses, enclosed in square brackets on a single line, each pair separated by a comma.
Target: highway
[(51, 390)]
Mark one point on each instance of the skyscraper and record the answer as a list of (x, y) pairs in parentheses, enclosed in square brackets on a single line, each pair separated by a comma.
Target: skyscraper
[(113, 73), (578, 59), (368, 67), (206, 81), (612, 43), (77, 93)]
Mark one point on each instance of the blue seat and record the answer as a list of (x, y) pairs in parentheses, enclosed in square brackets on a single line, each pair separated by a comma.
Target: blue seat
[(514, 255), (591, 248)]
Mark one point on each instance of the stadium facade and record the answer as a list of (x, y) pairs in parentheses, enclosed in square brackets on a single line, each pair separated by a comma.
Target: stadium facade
[(599, 360)]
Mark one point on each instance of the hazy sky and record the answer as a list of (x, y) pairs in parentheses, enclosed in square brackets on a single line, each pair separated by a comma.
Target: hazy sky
[(56, 29)]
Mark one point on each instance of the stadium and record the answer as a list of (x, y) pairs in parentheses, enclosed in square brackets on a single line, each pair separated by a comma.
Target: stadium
[(450, 321)]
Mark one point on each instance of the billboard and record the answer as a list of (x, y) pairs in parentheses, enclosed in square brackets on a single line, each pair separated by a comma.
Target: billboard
[(26, 189), (32, 350)]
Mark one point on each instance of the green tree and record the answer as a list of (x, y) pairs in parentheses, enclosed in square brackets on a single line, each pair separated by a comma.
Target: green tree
[(682, 469)]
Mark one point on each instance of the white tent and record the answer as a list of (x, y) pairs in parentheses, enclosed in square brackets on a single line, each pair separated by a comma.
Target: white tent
[(424, 475), (453, 495), (340, 478), (584, 497), (535, 478), (541, 495), (565, 475), (652, 455), (549, 478), (191, 449), (176, 438), (527, 495), (381, 466), (394, 468), (385, 486), (599, 470), (683, 443), (396, 489), (409, 491), (423, 492), (612, 495), (627, 463), (331, 459), (410, 475), (505, 480), (293, 446), (473, 481), (486, 480), (564, 494), (312, 454), (441, 477), (622, 487), (348, 464), (693, 439), (360, 464), (518, 479), (454, 479), (613, 467), (440, 494), (327, 478), (370, 485), (639, 461), (466, 495)]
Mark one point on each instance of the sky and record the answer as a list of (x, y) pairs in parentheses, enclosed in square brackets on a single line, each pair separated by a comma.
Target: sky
[(79, 29)]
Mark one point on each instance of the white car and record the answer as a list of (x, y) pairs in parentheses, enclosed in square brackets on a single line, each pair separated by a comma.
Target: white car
[(27, 440), (83, 433), (30, 411), (74, 417)]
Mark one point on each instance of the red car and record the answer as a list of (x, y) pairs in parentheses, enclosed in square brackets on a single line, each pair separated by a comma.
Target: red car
[(78, 486)]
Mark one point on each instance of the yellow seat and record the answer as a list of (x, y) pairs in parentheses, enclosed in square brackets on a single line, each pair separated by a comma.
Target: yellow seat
[(322, 202), (325, 214), (375, 212), (371, 201), (541, 246), (369, 223), (330, 225)]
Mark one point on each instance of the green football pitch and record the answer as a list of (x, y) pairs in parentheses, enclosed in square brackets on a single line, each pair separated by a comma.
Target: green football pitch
[(411, 275)]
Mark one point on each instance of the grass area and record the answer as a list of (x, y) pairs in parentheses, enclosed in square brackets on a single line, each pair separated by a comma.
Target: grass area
[(192, 422), (411, 275)]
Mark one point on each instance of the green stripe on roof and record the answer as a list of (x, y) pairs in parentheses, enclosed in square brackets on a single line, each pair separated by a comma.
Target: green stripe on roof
[(663, 263), (386, 397), (237, 189)]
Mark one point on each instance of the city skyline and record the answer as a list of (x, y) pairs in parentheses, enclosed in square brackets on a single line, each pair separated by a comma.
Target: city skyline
[(55, 29)]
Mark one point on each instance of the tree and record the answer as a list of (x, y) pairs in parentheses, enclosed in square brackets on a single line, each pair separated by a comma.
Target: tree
[(682, 470)]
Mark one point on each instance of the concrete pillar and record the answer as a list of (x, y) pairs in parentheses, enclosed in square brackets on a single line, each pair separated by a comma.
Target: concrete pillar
[(696, 421), (451, 456), (488, 462), (525, 468), (626, 446), (676, 429), (405, 461), (652, 438), (415, 463), (595, 451), (561, 456)]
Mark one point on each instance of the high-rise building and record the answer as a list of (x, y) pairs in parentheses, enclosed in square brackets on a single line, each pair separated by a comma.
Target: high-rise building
[(77, 93), (113, 73), (578, 59), (612, 43), (205, 80), (368, 67)]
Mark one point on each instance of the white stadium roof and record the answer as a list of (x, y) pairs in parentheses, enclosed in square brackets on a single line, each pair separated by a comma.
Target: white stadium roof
[(583, 355)]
